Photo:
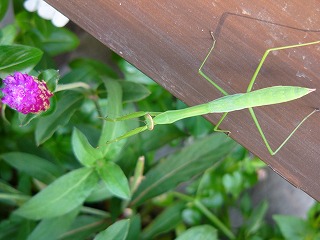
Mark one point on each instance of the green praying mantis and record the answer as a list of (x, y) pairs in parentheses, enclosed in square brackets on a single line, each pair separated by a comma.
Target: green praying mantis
[(227, 103)]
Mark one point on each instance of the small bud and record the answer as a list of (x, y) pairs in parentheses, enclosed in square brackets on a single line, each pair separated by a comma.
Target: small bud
[(26, 93)]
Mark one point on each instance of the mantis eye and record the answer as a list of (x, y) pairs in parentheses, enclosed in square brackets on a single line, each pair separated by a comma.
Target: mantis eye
[(149, 121)]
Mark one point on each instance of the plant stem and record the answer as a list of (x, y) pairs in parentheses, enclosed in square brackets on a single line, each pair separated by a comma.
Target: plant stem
[(214, 219), (14, 197), (138, 175), (69, 86), (207, 213), (94, 211)]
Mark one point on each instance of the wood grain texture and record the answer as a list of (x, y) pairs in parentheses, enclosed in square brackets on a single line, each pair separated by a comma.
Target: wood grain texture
[(168, 40)]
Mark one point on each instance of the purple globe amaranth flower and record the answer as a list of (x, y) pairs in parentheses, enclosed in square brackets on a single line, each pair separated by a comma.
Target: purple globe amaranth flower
[(26, 93)]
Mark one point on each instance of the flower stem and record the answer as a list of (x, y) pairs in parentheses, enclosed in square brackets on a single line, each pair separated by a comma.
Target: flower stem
[(69, 86)]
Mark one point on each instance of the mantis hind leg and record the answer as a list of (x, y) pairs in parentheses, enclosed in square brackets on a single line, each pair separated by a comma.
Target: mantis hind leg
[(253, 115), (266, 53), (253, 79)]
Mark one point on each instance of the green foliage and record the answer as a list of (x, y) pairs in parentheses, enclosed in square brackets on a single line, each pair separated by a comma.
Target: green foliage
[(60, 179), (52, 228), (114, 178), (3, 8), (32, 165), (62, 196), (111, 130), (164, 222), (204, 232), (296, 228), (66, 106), (8, 34), (117, 231), (51, 77), (179, 167), (36, 31), (18, 58), (84, 152)]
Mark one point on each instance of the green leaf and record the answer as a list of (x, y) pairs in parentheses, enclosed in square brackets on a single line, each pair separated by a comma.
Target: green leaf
[(8, 34), (164, 222), (133, 74), (117, 231), (8, 228), (18, 58), (93, 68), (191, 216), (49, 38), (51, 77), (256, 219), (313, 214), (60, 197), (3, 7), (22, 19), (99, 193), (204, 232), (135, 228), (190, 161), (15, 228), (112, 130), (18, 6), (133, 92), (84, 227), (47, 125), (293, 228), (160, 136), (90, 130), (75, 75), (60, 41), (53, 228), (233, 183), (34, 166), (84, 152), (6, 188), (115, 179)]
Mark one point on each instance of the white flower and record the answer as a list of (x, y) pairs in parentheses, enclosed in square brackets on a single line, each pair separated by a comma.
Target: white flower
[(46, 12)]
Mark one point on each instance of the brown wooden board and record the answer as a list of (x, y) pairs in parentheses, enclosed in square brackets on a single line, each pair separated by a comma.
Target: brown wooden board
[(168, 40)]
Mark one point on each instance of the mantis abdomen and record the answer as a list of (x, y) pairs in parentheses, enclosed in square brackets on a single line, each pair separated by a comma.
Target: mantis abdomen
[(229, 103)]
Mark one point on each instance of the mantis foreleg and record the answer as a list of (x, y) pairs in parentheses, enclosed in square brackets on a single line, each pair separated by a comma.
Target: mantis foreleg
[(147, 118), (216, 128), (202, 64), (131, 116)]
